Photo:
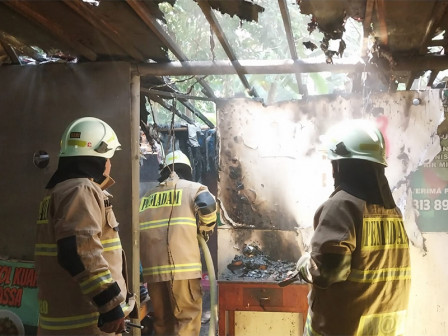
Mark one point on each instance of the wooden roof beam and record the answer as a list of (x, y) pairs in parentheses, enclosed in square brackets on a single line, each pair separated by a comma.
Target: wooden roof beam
[(381, 15), (184, 100), (171, 108), (196, 112), (22, 8), (151, 22), (213, 21), (155, 92), (291, 44), (410, 81), (438, 12), (422, 63), (250, 67)]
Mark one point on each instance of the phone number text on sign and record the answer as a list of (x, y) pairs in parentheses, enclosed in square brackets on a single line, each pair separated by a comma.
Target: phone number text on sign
[(427, 205)]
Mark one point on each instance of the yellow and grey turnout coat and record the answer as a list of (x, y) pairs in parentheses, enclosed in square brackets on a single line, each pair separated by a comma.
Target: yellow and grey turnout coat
[(169, 223), (369, 296), (78, 208)]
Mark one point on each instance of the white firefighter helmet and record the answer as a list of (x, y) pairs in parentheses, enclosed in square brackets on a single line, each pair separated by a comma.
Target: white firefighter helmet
[(178, 162), (355, 139), (176, 157), (89, 136)]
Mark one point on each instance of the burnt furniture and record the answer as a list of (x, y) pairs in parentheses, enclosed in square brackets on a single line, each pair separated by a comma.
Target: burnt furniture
[(234, 296)]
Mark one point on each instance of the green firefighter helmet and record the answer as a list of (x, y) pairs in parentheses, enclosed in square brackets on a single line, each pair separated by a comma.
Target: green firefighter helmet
[(89, 136), (355, 139)]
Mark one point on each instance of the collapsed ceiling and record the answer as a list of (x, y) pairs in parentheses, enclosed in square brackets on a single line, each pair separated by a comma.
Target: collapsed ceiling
[(398, 44)]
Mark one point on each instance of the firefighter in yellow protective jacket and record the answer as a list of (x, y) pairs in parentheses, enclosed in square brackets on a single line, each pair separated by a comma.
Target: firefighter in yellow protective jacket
[(171, 215), (81, 287), (359, 264)]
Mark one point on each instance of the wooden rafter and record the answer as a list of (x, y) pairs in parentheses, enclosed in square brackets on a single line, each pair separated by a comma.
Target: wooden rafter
[(151, 22), (154, 92), (422, 63), (171, 108), (291, 44), (183, 99), (410, 80), (381, 15), (251, 67), (438, 12), (196, 112), (216, 27)]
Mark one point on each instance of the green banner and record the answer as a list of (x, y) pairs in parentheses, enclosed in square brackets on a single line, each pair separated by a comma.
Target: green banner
[(430, 193), (18, 290)]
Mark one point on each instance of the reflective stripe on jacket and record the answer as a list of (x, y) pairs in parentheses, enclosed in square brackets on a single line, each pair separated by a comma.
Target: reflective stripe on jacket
[(370, 298), (76, 207), (168, 210)]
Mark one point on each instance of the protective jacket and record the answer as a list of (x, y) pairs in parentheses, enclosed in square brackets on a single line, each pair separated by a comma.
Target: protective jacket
[(360, 266), (78, 258), (171, 215)]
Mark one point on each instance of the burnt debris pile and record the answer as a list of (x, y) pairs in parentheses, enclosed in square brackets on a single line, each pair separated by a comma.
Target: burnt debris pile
[(253, 264)]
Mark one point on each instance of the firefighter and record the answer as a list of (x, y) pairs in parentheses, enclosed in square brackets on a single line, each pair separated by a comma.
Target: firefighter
[(171, 216), (81, 286), (359, 263)]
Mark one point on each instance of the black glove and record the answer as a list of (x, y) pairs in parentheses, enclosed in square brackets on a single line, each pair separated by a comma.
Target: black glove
[(116, 314)]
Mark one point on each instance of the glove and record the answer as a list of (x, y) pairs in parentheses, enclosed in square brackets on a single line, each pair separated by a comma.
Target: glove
[(303, 267), (112, 321)]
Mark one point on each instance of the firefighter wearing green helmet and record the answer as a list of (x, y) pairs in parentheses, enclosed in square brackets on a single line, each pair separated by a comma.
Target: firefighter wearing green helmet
[(171, 216), (78, 253), (359, 264)]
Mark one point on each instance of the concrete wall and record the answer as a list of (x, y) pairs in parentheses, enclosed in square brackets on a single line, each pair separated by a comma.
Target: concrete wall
[(36, 104)]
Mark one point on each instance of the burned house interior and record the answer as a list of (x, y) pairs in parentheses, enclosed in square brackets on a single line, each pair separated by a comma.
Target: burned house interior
[(244, 88)]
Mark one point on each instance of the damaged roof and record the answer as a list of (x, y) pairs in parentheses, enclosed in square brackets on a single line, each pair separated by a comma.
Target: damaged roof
[(402, 40)]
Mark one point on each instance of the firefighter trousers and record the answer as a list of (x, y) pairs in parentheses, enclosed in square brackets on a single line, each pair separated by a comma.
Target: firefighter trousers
[(177, 307)]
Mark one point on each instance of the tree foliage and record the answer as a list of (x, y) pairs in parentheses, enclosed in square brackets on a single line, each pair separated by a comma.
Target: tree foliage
[(262, 40)]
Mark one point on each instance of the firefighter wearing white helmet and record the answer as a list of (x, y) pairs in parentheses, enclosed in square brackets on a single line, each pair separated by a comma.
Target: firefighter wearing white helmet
[(78, 253), (89, 137), (176, 161), (356, 139), (359, 237), (171, 216)]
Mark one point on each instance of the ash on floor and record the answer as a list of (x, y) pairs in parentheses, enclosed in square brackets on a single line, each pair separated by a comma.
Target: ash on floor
[(253, 264)]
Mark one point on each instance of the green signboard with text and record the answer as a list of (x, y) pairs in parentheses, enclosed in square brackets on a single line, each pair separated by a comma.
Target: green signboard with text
[(430, 193), (18, 290)]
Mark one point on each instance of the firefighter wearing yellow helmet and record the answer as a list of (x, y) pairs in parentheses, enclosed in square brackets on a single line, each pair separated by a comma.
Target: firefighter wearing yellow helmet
[(359, 264), (78, 253), (171, 215)]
